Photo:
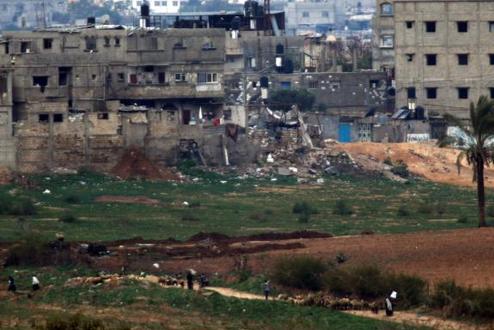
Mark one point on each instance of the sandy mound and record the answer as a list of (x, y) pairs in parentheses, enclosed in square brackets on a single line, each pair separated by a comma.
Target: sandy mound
[(134, 164), (423, 159)]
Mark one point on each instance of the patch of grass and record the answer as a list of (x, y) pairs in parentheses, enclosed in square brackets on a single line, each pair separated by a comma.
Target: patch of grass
[(77, 321)]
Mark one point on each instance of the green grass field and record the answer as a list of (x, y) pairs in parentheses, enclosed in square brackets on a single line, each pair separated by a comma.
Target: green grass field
[(236, 207)]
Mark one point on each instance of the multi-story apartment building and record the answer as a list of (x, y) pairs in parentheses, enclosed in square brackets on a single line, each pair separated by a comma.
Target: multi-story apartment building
[(442, 51), (80, 96), (29, 13), (383, 38)]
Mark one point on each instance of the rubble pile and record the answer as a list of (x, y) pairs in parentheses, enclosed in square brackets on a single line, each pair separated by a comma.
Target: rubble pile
[(116, 279), (134, 164), (6, 176)]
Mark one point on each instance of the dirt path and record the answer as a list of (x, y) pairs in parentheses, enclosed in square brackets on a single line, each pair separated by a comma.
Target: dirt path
[(416, 319), (399, 317), (227, 292)]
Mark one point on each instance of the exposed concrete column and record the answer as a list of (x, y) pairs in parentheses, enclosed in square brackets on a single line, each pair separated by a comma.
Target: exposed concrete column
[(86, 140), (50, 141)]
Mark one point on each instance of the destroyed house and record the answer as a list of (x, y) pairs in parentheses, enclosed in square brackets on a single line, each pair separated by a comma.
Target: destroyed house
[(80, 96)]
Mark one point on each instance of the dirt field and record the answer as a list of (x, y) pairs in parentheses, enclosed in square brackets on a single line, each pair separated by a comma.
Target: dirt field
[(423, 159), (467, 256)]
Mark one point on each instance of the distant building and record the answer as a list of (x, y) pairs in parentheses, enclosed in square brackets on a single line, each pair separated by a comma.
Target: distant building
[(29, 14), (314, 16), (158, 7)]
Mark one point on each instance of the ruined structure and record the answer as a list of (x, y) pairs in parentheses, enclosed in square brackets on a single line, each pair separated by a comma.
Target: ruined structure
[(80, 96)]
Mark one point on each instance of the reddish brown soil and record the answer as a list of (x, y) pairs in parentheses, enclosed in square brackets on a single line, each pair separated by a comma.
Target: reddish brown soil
[(127, 199), (134, 164), (423, 159), (466, 256)]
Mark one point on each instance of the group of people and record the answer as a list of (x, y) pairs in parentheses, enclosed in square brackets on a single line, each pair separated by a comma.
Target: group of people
[(203, 280), (12, 287)]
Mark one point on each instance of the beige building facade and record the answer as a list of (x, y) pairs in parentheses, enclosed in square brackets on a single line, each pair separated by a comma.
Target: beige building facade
[(444, 53)]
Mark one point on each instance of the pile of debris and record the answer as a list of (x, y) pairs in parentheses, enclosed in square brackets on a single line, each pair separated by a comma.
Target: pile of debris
[(115, 279), (6, 175), (134, 164)]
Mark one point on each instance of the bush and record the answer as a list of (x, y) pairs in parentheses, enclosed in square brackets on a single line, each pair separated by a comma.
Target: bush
[(341, 208), (189, 216), (338, 282), (456, 301), (425, 208), (490, 211), (300, 272), (400, 169), (33, 251), (301, 207), (304, 218), (462, 219), (67, 218), (440, 209), (369, 282), (411, 289), (21, 206), (72, 199), (403, 211), (195, 204)]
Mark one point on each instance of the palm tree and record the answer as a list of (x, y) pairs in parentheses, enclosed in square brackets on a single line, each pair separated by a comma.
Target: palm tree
[(476, 142)]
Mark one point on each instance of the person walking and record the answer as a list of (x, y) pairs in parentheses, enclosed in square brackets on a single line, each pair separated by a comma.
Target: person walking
[(267, 289), (190, 280), (389, 303), (12, 287), (35, 282)]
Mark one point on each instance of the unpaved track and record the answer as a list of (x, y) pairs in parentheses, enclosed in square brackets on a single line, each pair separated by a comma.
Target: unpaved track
[(399, 317)]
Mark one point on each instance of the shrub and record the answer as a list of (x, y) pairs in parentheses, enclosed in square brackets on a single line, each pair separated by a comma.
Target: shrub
[(269, 212), (72, 199), (67, 218), (195, 204), (462, 219), (368, 282), (338, 282), (301, 207), (189, 216), (341, 208), (400, 169), (411, 289), (22, 206), (341, 258), (456, 301), (300, 272), (304, 218), (490, 211), (388, 161), (403, 211), (440, 208), (425, 208), (31, 251)]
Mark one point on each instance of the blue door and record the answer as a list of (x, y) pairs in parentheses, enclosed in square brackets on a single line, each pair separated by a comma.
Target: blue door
[(345, 132)]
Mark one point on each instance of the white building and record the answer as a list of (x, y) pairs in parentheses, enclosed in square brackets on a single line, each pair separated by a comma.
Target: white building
[(313, 15), (158, 7)]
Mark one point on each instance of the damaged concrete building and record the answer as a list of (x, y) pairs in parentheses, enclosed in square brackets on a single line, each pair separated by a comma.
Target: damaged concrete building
[(79, 97)]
